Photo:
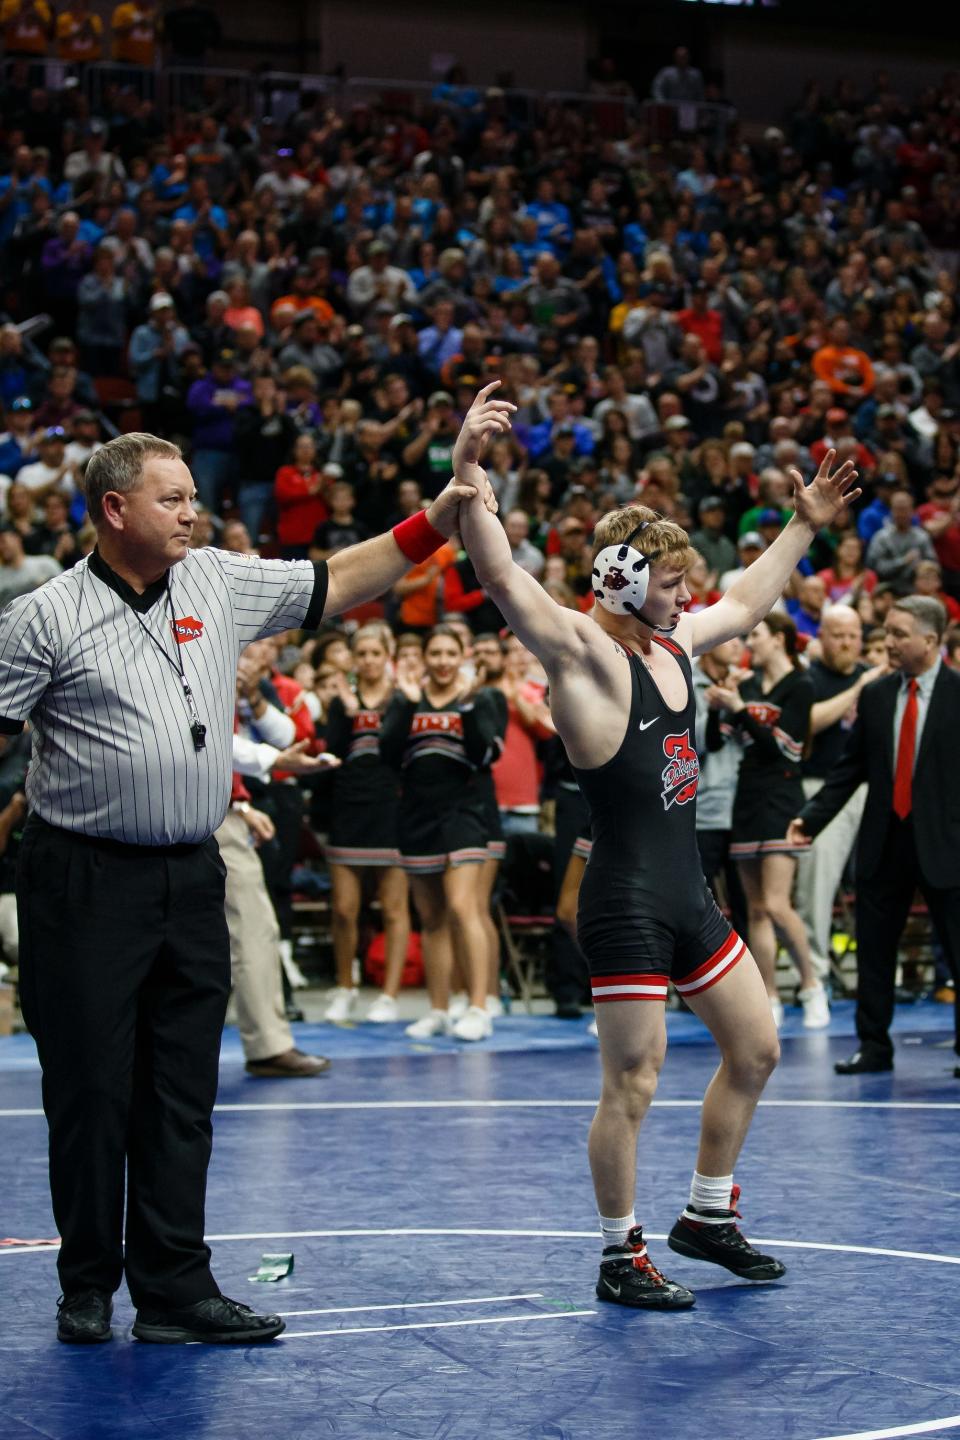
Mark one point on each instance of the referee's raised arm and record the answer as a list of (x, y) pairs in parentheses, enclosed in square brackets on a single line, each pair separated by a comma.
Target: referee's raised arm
[(367, 570)]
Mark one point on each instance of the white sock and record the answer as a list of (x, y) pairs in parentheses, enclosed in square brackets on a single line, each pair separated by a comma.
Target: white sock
[(615, 1231), (710, 1192)]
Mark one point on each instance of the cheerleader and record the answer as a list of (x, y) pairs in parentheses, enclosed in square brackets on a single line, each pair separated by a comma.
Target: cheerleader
[(769, 713), (443, 739), (363, 828)]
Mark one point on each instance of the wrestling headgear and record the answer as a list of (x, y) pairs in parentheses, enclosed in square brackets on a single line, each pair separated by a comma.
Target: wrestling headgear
[(621, 576)]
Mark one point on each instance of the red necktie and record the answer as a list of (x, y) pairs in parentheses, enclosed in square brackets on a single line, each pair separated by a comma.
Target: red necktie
[(903, 779)]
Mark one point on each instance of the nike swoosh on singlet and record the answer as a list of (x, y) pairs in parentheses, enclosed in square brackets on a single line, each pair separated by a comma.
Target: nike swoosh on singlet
[(645, 724)]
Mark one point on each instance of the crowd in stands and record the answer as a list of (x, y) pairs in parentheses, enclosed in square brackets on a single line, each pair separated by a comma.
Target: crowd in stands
[(308, 308)]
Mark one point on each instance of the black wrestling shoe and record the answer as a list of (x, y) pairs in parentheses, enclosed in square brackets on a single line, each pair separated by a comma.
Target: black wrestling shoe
[(629, 1277), (217, 1321), (712, 1235), (84, 1318)]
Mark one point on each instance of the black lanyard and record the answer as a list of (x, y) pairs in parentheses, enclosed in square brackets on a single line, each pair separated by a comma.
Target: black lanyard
[(197, 728)]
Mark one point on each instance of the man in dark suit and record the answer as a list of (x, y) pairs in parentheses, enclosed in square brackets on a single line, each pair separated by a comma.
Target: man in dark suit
[(903, 745)]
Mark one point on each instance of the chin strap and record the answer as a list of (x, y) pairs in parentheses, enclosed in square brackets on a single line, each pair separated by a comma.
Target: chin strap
[(639, 615)]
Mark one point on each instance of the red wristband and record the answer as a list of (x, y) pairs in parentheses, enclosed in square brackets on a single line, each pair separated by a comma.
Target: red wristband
[(417, 538)]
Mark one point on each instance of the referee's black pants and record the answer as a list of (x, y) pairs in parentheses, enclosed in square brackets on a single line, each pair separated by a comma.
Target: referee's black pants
[(883, 903), (125, 975)]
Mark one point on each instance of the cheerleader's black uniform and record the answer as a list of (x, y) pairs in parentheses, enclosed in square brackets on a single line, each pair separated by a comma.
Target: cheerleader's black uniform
[(496, 844), (773, 729), (444, 757), (366, 791)]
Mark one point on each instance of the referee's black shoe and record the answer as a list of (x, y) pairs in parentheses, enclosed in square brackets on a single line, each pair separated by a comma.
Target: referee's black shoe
[(715, 1237), (217, 1321), (83, 1318), (629, 1277), (864, 1062)]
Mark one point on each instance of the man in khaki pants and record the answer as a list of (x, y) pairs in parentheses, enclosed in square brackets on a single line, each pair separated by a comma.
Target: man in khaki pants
[(254, 932)]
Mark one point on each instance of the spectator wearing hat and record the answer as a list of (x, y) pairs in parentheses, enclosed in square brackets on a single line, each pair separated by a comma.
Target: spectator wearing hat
[(429, 455), (84, 432), (94, 158), (17, 445), (213, 402), (896, 550), (379, 280), (847, 370), (716, 547), (20, 573), (79, 34), (283, 182), (51, 471), (749, 547), (155, 347)]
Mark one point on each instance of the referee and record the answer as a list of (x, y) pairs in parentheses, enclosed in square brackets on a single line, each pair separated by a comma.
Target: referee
[(126, 667)]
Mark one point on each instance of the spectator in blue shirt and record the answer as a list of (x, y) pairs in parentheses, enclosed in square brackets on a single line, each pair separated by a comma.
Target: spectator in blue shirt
[(554, 225), (16, 443), (154, 349), (210, 222), (442, 340), (874, 516)]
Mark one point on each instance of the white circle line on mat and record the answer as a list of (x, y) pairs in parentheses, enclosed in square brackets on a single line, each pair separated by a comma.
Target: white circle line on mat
[(526, 1234), (252, 1106), (928, 1427)]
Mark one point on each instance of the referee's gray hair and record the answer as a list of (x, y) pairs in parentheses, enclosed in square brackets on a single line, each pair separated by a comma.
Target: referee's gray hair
[(929, 612), (118, 466)]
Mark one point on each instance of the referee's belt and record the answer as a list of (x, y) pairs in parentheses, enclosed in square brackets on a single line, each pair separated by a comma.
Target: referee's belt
[(115, 847)]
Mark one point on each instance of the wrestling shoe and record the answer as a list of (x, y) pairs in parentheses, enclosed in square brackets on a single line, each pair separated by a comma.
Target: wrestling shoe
[(629, 1277), (712, 1235)]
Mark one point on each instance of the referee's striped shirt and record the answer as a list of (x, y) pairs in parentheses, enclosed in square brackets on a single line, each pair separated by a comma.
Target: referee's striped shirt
[(113, 754)]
